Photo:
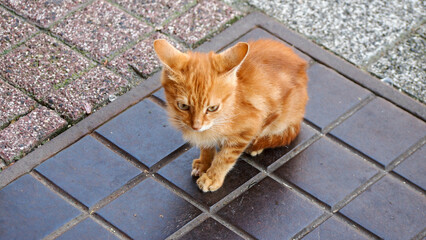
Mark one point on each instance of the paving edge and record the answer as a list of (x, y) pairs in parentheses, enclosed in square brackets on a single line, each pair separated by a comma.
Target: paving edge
[(219, 42)]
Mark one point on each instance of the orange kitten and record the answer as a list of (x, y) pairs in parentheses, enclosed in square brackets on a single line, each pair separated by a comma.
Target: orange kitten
[(248, 98)]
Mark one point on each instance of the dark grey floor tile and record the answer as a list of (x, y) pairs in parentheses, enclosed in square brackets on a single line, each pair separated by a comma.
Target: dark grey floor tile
[(269, 156), (270, 211), (389, 209), (327, 171), (87, 230), (330, 95), (149, 211), (143, 131), (335, 229), (30, 210), (160, 94), (414, 167), (179, 173), (212, 230), (88, 170), (381, 131)]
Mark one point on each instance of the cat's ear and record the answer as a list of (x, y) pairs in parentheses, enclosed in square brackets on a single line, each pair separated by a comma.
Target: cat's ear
[(233, 57), (171, 58)]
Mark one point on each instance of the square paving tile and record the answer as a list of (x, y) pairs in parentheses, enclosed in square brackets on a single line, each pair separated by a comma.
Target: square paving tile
[(206, 17), (179, 173), (271, 155), (334, 228), (259, 33), (414, 167), (41, 64), (158, 11), (330, 95), (21, 136), (29, 209), (389, 209), (13, 103), (141, 57), (327, 171), (42, 12), (92, 174), (100, 29), (149, 211), (87, 230), (270, 211), (212, 230), (381, 131), (144, 131), (86, 93), (13, 30)]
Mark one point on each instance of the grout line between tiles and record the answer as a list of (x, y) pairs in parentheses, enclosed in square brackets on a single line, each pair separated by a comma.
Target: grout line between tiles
[(189, 226), (401, 158), (157, 101), (356, 226), (421, 235), (314, 224), (232, 227), (67, 226), (170, 157), (108, 226)]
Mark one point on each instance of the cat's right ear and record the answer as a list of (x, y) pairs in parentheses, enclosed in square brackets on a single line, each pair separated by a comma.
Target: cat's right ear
[(171, 58)]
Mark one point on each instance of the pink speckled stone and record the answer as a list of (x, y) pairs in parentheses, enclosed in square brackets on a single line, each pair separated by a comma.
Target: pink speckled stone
[(142, 57), (42, 12), (199, 21), (101, 29), (12, 30), (155, 11), (13, 103), (40, 64), (29, 131), (86, 93)]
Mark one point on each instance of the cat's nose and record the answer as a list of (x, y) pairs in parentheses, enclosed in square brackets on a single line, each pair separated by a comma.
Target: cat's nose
[(196, 125)]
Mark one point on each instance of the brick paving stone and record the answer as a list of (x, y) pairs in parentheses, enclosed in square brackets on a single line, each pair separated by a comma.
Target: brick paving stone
[(156, 12), (42, 12), (91, 175), (389, 209), (211, 229), (179, 173), (264, 208), (271, 155), (12, 30), (327, 171), (199, 21), (144, 131), (414, 167), (86, 93), (87, 230), (13, 103), (381, 131), (149, 211), (334, 228), (41, 64), (330, 95), (31, 210), (100, 29), (141, 57), (29, 131)]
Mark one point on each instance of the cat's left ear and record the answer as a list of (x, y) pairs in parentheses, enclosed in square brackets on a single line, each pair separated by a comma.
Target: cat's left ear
[(233, 57), (171, 58)]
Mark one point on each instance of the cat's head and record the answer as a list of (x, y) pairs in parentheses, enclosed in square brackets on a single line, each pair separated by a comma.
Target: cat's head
[(200, 87)]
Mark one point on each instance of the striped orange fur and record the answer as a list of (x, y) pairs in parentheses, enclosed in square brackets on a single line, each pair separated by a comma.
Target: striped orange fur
[(250, 97)]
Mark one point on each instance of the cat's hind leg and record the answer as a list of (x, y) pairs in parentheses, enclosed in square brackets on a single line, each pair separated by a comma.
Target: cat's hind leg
[(200, 165)]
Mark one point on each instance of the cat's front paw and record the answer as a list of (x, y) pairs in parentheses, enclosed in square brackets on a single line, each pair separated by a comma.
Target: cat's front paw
[(199, 167), (209, 182)]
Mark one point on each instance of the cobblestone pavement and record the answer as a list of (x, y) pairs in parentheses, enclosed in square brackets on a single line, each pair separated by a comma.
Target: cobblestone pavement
[(356, 171)]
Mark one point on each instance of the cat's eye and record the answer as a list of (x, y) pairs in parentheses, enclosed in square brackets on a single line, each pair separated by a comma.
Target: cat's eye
[(182, 106), (213, 108)]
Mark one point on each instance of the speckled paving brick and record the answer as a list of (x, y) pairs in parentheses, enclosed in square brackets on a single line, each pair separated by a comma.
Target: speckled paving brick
[(156, 11), (199, 21), (100, 29), (141, 57), (12, 30), (13, 103), (42, 12), (20, 137), (41, 64), (83, 95)]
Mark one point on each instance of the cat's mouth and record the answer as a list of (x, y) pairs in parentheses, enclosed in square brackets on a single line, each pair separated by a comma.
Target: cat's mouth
[(203, 128)]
